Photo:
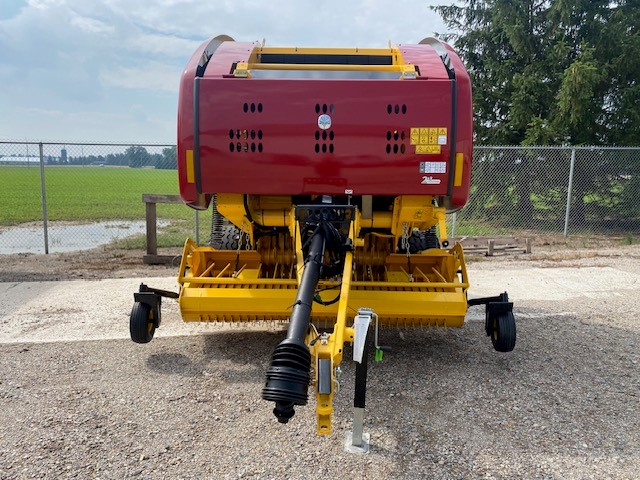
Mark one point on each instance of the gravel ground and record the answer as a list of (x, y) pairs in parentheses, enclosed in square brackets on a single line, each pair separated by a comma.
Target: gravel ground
[(564, 404)]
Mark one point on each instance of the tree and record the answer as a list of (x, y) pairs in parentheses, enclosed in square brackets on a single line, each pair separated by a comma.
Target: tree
[(169, 159), (137, 156), (551, 72)]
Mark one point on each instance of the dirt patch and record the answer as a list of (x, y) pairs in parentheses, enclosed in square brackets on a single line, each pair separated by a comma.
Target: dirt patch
[(107, 262), (89, 264)]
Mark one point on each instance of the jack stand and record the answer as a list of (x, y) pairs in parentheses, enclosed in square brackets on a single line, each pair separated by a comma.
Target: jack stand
[(357, 441)]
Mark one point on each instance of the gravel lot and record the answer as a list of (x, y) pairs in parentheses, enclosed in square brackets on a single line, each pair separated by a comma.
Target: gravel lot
[(564, 404)]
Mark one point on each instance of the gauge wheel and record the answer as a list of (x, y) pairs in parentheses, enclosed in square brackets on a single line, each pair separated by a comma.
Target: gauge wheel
[(503, 336), (142, 323)]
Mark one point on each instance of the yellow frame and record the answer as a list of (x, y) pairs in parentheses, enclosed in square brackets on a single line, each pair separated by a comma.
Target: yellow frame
[(405, 70), (228, 286)]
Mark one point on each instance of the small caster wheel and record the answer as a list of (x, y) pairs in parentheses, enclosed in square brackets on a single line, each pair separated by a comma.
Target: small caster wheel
[(503, 335), (142, 323)]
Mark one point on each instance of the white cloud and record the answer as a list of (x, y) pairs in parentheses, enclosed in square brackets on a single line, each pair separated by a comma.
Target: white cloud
[(91, 25), (80, 63), (169, 45), (43, 4), (145, 76), (131, 125)]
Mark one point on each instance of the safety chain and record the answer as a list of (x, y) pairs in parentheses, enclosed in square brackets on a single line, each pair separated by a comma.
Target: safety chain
[(405, 245), (242, 237)]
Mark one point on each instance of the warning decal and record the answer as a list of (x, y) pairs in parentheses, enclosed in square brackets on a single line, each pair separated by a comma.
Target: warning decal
[(428, 140), (427, 149)]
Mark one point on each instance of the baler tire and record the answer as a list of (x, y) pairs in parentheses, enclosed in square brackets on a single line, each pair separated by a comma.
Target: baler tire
[(503, 336), (432, 241), (141, 324), (230, 238)]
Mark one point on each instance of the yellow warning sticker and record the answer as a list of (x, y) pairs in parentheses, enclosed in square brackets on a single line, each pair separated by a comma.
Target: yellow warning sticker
[(432, 136), (415, 136), (424, 136), (428, 149)]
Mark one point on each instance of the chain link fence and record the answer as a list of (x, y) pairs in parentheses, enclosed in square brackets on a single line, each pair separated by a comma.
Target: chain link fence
[(57, 197), (550, 190)]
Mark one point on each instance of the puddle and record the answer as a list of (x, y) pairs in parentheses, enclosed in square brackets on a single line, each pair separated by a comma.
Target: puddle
[(65, 237)]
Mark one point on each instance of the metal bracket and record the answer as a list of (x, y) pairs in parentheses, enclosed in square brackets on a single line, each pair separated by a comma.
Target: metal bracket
[(494, 306), (357, 441), (153, 298), (350, 447), (340, 216), (361, 324)]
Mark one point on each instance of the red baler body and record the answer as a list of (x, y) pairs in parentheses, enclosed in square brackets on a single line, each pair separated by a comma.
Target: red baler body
[(387, 136)]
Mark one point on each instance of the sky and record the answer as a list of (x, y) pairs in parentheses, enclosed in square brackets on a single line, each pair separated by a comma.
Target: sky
[(108, 70)]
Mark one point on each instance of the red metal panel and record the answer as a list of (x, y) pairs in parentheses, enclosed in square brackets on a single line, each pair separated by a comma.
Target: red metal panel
[(219, 64), (464, 141), (277, 138), (226, 55), (426, 59), (364, 159)]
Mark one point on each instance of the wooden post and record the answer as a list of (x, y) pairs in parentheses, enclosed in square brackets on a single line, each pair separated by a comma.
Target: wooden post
[(152, 232), (151, 200), (490, 247)]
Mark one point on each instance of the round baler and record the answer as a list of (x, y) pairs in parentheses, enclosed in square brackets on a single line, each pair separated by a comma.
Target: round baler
[(329, 173)]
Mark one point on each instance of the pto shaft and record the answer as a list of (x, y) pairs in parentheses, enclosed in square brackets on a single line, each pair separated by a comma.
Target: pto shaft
[(288, 377)]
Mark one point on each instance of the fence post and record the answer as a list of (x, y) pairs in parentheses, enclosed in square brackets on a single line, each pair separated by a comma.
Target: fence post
[(43, 192), (453, 224), (197, 228), (569, 188)]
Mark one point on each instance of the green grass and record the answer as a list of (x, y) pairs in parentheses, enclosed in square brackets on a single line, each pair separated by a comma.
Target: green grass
[(629, 240), (470, 228), (85, 194), (173, 235)]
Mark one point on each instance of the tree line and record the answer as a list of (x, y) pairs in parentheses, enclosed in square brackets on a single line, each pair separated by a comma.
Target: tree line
[(134, 157)]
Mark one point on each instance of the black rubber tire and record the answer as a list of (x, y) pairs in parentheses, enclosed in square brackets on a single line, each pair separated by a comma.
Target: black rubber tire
[(141, 323), (230, 238), (431, 241), (503, 336)]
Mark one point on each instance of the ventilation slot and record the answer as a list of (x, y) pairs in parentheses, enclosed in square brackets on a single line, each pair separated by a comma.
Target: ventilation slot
[(252, 107), (240, 141), (397, 109), (396, 140), (324, 108)]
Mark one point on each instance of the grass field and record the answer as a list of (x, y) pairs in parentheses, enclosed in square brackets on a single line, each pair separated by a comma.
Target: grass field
[(94, 194), (88, 194)]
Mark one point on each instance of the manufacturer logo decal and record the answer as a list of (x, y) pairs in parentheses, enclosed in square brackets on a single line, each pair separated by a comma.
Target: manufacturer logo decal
[(324, 121), (430, 181)]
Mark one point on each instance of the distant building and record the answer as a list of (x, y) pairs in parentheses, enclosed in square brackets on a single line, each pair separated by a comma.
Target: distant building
[(63, 156)]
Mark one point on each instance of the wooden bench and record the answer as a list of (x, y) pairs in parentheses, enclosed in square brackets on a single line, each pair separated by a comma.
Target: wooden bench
[(490, 245)]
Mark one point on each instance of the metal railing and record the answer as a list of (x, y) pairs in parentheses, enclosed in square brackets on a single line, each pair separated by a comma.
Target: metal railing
[(58, 196)]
